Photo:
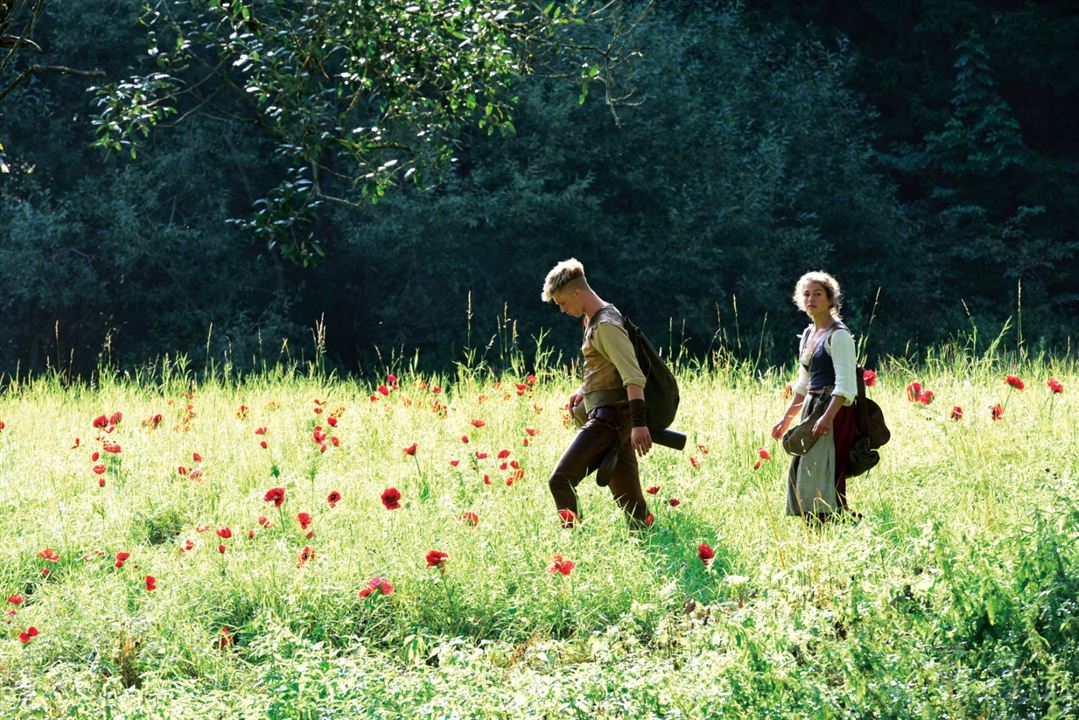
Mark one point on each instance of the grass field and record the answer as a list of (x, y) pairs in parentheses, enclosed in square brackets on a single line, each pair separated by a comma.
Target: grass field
[(955, 596)]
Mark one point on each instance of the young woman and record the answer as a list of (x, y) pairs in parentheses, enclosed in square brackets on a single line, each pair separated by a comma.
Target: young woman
[(825, 386)]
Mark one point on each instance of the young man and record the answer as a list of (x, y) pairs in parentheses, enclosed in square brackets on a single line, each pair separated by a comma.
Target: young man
[(612, 394)]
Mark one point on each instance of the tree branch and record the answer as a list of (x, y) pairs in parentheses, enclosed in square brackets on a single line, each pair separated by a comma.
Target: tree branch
[(41, 70)]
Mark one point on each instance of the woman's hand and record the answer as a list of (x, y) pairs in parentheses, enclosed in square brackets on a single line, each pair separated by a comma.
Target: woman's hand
[(823, 426), (575, 398), (780, 427)]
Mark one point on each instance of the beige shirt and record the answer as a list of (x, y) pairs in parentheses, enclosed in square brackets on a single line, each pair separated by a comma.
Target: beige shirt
[(612, 347)]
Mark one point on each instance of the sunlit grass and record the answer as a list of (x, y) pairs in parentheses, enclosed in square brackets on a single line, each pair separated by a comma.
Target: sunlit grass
[(884, 613)]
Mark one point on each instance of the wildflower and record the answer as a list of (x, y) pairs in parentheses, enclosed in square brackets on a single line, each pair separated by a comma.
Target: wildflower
[(121, 558), (383, 389), (957, 413), (154, 422), (95, 456), (181, 470), (764, 454), (308, 553), (101, 422), (77, 443), (377, 583), (276, 496), (331, 421), (1055, 385), (304, 519), (481, 455), (99, 469), (115, 418), (1014, 381), (227, 639), (221, 548), (568, 517), (151, 583), (649, 520), (264, 521), (464, 438), (694, 461), (410, 450), (706, 554), (926, 397), (333, 498), (869, 377), (478, 423), (437, 558), (261, 430), (674, 502), (25, 636), (454, 463), (15, 599), (195, 475), (503, 454), (436, 389), (531, 432), (914, 390), (197, 458), (703, 449), (224, 532), (471, 518), (111, 448), (242, 412), (653, 490), (391, 498), (996, 411), (251, 534), (560, 564), (49, 554), (101, 482), (263, 445), (757, 465)]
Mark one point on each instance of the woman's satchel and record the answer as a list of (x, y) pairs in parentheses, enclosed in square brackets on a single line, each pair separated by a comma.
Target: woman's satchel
[(873, 432)]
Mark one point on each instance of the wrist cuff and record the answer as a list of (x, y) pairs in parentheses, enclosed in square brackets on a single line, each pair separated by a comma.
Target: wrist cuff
[(638, 413)]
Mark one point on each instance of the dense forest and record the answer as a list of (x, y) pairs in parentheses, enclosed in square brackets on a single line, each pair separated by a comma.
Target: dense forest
[(925, 153)]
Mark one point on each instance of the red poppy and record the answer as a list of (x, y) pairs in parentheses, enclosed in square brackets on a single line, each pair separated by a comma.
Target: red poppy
[(454, 463), (263, 445), (957, 413), (95, 456), (914, 390), (224, 532), (111, 448), (391, 498), (377, 583), (264, 521), (101, 422), (99, 469), (486, 479), (101, 482), (383, 389), (251, 534), (15, 599), (308, 553), (649, 520), (1055, 385), (869, 377), (705, 553), (154, 422), (757, 465), (49, 554), (436, 389), (77, 443), (261, 430), (764, 454), (560, 564), (567, 517), (437, 558), (221, 548), (503, 454), (333, 498), (195, 475), (410, 450), (478, 423), (703, 449), (531, 432), (674, 502), (304, 519), (653, 490), (276, 496), (121, 557), (926, 397), (481, 455), (331, 421), (1014, 381), (116, 417), (151, 583), (197, 457), (182, 470), (996, 411), (471, 518)]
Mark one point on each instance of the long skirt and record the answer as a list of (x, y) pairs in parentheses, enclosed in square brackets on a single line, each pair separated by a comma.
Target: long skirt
[(817, 481)]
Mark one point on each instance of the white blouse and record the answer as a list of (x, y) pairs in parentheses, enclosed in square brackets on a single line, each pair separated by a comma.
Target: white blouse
[(840, 346)]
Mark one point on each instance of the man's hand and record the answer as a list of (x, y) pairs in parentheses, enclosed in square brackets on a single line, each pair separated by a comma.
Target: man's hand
[(641, 440)]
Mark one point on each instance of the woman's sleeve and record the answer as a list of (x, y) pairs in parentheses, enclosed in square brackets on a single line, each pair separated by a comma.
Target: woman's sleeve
[(846, 384), (801, 381)]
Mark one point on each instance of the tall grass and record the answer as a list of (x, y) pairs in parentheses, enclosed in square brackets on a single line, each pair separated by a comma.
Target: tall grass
[(955, 596)]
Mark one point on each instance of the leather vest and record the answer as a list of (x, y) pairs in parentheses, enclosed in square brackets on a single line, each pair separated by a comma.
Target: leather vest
[(602, 383), (821, 366)]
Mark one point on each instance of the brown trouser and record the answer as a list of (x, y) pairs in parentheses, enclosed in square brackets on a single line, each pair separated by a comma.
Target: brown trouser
[(607, 426)]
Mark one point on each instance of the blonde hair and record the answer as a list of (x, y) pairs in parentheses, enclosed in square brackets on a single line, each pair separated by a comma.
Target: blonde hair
[(826, 281), (565, 274)]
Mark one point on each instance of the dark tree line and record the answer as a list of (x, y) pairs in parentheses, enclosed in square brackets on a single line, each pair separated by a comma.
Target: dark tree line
[(928, 150)]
